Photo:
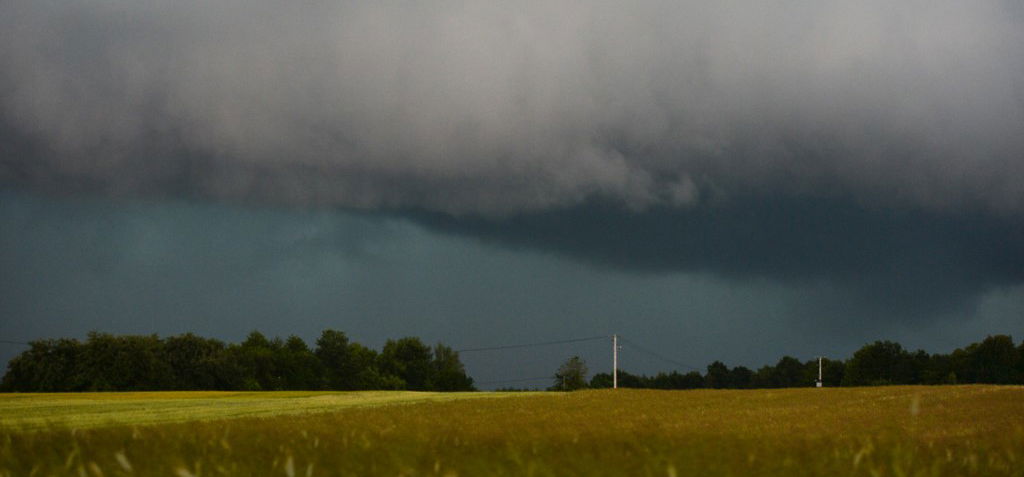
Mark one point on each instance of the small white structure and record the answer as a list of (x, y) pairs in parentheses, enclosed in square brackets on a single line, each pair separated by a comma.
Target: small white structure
[(819, 372), (615, 361)]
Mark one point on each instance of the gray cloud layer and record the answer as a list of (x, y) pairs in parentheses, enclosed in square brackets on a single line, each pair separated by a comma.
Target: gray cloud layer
[(492, 108)]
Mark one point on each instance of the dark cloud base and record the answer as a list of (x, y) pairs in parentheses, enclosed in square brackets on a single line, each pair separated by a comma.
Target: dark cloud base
[(906, 263)]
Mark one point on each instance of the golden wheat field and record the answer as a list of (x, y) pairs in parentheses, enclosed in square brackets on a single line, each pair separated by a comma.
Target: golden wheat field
[(879, 431)]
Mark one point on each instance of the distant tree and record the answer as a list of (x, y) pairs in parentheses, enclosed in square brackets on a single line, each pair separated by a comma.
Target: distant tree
[(665, 380), (364, 363), (1020, 364), (675, 380), (994, 360), (449, 373), (913, 368), (962, 365), (881, 362), (626, 380), (571, 375), (629, 380), (765, 377), (233, 370), (938, 370), (340, 370), (295, 344), (106, 362), (48, 365), (299, 367), (123, 363), (255, 339), (601, 381), (691, 380), (717, 376), (262, 358), (192, 360), (410, 360), (741, 378), (788, 373), (810, 374), (832, 372)]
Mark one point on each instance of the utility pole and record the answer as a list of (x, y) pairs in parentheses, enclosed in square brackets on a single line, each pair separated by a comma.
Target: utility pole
[(615, 361), (819, 371)]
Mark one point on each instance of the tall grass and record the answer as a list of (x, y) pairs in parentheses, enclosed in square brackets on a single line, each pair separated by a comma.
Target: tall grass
[(886, 431)]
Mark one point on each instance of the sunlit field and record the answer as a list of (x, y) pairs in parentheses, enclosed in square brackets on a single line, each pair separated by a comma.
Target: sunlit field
[(90, 410), (881, 431)]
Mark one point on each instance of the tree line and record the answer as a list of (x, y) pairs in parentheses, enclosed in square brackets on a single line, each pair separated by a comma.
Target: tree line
[(995, 360), (106, 362)]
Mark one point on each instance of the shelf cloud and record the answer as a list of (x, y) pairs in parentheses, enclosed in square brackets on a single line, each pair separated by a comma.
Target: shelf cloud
[(872, 144), (496, 108)]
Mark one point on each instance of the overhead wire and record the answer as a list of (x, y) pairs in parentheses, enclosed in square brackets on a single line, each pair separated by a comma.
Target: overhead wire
[(655, 354), (625, 341), (529, 345)]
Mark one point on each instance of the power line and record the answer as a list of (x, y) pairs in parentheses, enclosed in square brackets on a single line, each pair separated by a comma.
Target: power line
[(630, 343), (655, 354), (15, 342), (528, 345)]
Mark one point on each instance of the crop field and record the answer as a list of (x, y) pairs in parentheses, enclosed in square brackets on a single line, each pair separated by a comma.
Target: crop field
[(879, 431), (90, 410)]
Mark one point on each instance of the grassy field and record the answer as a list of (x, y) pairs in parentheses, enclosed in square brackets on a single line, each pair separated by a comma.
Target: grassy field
[(90, 410), (884, 431)]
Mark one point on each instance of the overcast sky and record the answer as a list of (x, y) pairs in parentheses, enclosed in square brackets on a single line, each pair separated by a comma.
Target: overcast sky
[(714, 180)]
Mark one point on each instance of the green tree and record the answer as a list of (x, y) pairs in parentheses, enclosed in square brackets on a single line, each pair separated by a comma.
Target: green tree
[(47, 366), (255, 339), (763, 377), (881, 362), (913, 368), (123, 363), (1020, 364), (332, 349), (449, 372), (717, 376), (939, 370), (832, 372), (259, 356), (741, 378), (192, 360), (571, 375), (106, 362), (367, 372), (789, 373), (994, 360), (299, 367), (663, 380), (601, 381), (409, 360), (691, 380), (629, 380)]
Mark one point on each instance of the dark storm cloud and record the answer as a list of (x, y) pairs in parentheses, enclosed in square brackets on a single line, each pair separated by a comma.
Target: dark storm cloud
[(896, 263), (499, 108), (874, 145)]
